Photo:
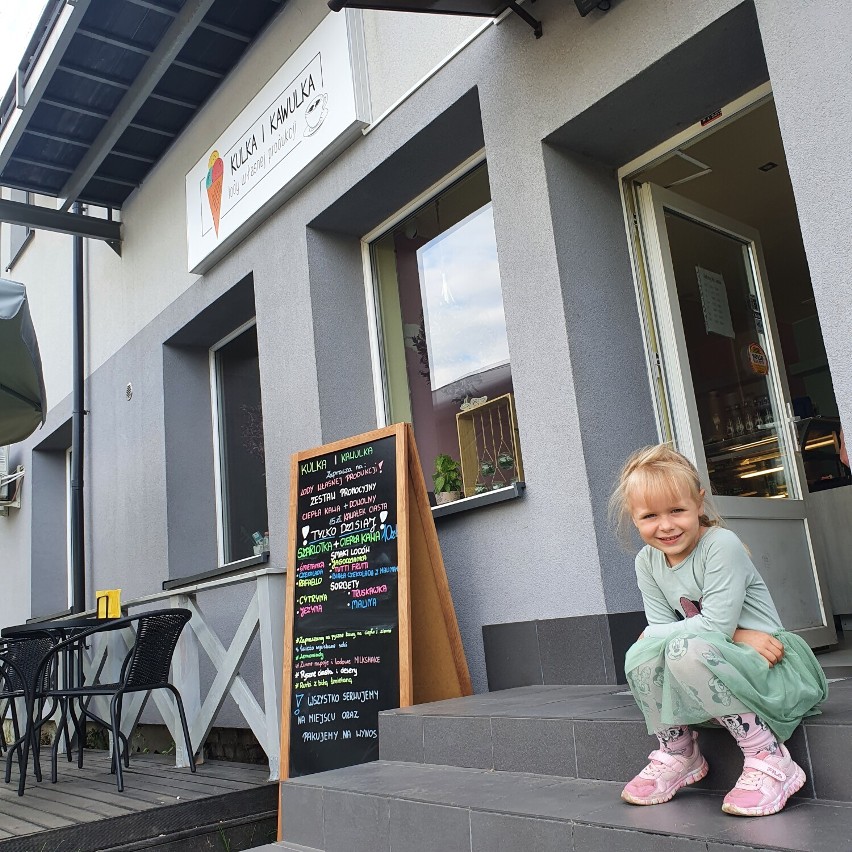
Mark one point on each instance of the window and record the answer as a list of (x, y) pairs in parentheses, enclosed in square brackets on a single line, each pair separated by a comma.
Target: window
[(443, 333), (19, 234), (238, 427), (50, 589)]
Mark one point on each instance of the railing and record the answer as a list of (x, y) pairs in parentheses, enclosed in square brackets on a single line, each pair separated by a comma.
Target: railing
[(264, 615)]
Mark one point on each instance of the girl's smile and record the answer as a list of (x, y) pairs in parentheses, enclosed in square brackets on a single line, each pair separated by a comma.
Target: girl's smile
[(670, 523)]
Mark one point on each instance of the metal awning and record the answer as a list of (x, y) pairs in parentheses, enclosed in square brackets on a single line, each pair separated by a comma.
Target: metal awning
[(476, 8), (105, 86), (22, 399)]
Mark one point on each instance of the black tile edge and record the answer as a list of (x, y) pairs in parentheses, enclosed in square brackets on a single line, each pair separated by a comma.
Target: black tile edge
[(575, 650), (624, 630), (233, 833), (138, 828), (517, 655), (512, 655)]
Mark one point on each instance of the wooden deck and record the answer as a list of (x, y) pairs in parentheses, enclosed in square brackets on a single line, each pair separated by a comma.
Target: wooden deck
[(223, 806)]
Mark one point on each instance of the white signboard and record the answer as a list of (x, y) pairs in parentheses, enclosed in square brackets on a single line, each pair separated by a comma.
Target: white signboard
[(313, 107), (714, 302)]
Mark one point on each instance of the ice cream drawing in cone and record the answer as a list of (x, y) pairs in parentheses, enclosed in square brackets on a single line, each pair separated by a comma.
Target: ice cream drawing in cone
[(215, 175)]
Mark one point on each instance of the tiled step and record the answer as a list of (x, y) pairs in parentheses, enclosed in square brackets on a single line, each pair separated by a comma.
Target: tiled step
[(838, 671), (596, 733), (405, 807)]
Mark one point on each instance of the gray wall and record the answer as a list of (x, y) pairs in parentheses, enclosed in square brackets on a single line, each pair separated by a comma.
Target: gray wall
[(340, 334), (608, 354)]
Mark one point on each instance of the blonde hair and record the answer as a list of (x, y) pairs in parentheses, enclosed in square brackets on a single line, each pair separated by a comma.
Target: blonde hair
[(657, 470)]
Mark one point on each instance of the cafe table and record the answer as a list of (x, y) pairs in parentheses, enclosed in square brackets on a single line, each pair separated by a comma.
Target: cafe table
[(72, 674)]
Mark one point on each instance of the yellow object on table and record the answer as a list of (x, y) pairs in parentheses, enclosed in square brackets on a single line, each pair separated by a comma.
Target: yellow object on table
[(108, 603)]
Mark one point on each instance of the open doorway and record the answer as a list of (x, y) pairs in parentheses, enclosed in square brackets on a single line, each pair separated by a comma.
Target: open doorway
[(736, 353)]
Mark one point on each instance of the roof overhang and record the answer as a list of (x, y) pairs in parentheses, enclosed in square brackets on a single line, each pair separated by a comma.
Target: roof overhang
[(105, 86)]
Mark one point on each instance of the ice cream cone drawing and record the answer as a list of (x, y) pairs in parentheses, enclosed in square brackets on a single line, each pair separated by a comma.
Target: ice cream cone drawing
[(215, 174)]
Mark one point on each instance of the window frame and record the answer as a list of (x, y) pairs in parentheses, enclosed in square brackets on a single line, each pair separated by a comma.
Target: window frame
[(218, 449), (371, 291)]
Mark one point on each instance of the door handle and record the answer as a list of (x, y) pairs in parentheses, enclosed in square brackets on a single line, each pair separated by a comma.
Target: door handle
[(793, 432)]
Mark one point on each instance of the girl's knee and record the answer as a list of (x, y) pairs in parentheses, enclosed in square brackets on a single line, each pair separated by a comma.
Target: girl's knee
[(688, 652)]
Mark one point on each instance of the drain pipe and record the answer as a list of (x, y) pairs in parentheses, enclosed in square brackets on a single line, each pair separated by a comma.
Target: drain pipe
[(78, 550)]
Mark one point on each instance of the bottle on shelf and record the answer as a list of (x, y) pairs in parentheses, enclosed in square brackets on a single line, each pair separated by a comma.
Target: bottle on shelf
[(714, 409), (749, 422), (717, 427), (766, 405), (739, 428), (729, 425)]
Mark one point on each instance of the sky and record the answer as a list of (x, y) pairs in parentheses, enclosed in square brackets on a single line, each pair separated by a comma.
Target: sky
[(17, 22)]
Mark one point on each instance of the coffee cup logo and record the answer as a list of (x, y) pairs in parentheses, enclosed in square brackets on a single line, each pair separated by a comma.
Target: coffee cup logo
[(315, 113)]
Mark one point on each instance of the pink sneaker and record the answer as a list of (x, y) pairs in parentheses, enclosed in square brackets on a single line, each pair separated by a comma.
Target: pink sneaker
[(665, 775), (768, 780)]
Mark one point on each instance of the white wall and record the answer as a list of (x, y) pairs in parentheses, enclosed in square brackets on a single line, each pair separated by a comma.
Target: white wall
[(403, 47)]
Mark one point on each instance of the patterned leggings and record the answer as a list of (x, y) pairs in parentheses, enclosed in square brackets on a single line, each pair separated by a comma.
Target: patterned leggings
[(680, 686)]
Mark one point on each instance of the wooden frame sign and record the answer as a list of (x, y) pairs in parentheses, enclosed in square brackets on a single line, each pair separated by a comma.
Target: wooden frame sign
[(369, 622)]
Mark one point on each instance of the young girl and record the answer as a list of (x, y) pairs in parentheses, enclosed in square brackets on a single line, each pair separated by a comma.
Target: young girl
[(714, 648)]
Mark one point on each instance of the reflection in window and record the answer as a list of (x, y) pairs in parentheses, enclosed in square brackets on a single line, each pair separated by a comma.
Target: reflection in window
[(444, 332), (242, 468), (462, 301)]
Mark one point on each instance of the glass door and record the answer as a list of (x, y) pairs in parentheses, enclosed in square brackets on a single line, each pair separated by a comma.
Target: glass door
[(726, 389)]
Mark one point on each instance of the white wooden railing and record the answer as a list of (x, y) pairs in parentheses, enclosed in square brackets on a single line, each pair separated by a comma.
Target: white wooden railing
[(264, 615)]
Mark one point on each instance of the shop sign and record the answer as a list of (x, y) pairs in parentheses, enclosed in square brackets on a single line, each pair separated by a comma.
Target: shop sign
[(314, 105)]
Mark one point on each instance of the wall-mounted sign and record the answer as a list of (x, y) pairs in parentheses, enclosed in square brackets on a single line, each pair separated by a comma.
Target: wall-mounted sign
[(313, 107)]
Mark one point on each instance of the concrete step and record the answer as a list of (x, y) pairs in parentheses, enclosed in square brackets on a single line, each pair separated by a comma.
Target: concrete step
[(407, 807), (596, 733)]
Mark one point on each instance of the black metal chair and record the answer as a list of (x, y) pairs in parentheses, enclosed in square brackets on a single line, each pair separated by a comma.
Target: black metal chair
[(145, 668), (24, 676)]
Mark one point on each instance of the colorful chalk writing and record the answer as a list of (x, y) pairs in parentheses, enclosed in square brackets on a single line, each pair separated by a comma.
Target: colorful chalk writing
[(345, 665)]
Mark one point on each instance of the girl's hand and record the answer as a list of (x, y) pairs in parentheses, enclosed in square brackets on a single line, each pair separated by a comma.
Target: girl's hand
[(764, 643)]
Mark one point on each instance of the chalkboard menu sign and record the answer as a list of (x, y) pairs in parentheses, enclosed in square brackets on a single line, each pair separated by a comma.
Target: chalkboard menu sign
[(346, 619), (369, 621)]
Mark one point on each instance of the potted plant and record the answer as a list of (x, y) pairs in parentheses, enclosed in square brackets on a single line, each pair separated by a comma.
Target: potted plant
[(447, 479)]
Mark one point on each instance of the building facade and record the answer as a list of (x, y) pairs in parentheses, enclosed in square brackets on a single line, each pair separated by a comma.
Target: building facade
[(629, 230)]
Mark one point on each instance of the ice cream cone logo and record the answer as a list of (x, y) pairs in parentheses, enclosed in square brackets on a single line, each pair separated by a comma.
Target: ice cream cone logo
[(215, 174)]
